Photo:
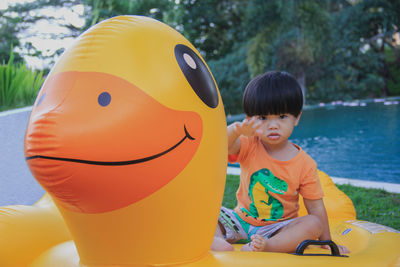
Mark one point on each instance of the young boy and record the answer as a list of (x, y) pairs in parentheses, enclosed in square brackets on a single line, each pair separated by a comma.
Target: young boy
[(274, 171)]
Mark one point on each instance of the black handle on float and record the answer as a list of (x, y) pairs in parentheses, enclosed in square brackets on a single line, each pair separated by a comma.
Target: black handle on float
[(334, 248)]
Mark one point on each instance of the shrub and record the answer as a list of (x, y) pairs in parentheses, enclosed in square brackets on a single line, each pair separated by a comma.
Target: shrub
[(19, 85)]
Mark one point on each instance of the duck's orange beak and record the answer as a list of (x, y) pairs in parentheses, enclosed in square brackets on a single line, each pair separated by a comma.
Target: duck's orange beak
[(98, 143)]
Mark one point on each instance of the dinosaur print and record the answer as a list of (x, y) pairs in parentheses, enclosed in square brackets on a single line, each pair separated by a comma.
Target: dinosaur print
[(265, 207)]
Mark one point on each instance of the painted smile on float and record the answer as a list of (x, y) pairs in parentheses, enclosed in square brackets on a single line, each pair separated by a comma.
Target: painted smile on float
[(117, 163)]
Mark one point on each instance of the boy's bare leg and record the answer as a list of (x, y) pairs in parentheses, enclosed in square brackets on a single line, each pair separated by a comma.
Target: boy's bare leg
[(287, 238), (219, 243)]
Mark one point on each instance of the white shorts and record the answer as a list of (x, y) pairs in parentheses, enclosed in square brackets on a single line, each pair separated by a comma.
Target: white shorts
[(239, 231)]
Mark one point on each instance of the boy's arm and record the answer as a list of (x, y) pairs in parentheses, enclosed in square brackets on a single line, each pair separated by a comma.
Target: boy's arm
[(317, 208), (233, 139)]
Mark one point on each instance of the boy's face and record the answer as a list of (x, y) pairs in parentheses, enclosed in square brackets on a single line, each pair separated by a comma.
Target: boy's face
[(276, 129)]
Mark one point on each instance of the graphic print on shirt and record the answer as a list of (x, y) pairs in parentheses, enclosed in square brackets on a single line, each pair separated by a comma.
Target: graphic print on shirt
[(263, 205)]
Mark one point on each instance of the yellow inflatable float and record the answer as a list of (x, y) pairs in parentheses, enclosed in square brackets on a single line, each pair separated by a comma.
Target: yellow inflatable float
[(128, 137)]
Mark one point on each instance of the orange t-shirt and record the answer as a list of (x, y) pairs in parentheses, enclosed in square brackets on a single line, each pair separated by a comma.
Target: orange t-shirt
[(269, 188)]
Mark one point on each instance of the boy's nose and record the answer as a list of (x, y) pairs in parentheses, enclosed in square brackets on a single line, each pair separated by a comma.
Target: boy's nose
[(273, 124)]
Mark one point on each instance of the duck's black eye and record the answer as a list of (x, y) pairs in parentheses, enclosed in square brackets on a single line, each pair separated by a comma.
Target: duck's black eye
[(197, 75), (104, 99)]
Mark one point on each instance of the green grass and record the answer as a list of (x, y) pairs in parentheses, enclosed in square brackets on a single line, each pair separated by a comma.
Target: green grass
[(375, 205), (372, 205)]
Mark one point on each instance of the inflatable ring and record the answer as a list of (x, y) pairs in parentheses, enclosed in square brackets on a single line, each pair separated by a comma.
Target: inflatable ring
[(128, 137)]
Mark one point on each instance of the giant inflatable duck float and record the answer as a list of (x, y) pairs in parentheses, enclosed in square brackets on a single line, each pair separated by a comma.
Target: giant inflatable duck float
[(128, 137)]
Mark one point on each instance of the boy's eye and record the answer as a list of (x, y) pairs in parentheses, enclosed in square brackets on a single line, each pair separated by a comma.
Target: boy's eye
[(263, 118), (283, 116)]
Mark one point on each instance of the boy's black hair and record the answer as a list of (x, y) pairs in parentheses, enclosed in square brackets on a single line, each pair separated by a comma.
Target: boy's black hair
[(274, 92)]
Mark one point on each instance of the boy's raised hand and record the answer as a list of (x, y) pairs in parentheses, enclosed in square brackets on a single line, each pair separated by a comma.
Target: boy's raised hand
[(249, 126)]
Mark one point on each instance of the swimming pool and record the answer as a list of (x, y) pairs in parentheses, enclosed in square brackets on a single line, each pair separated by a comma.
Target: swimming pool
[(359, 140)]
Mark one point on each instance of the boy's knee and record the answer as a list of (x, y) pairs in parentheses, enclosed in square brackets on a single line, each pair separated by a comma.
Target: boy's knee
[(220, 244), (311, 225)]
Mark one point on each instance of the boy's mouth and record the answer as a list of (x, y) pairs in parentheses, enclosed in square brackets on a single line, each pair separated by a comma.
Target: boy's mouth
[(273, 136)]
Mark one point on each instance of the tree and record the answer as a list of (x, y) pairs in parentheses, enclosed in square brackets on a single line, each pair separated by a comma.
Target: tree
[(292, 40), (357, 65), (213, 26), (21, 18), (8, 37), (376, 26), (232, 75), (104, 9)]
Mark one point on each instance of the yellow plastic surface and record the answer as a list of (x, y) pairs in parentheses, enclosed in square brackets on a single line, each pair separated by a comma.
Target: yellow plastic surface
[(27, 231)]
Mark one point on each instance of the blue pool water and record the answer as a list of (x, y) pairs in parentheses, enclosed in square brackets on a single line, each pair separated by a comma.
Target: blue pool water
[(360, 142)]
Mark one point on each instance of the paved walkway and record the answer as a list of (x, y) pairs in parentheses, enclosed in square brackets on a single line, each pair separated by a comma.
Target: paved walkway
[(17, 186)]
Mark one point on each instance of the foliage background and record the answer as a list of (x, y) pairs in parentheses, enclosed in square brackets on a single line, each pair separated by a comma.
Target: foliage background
[(337, 49)]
